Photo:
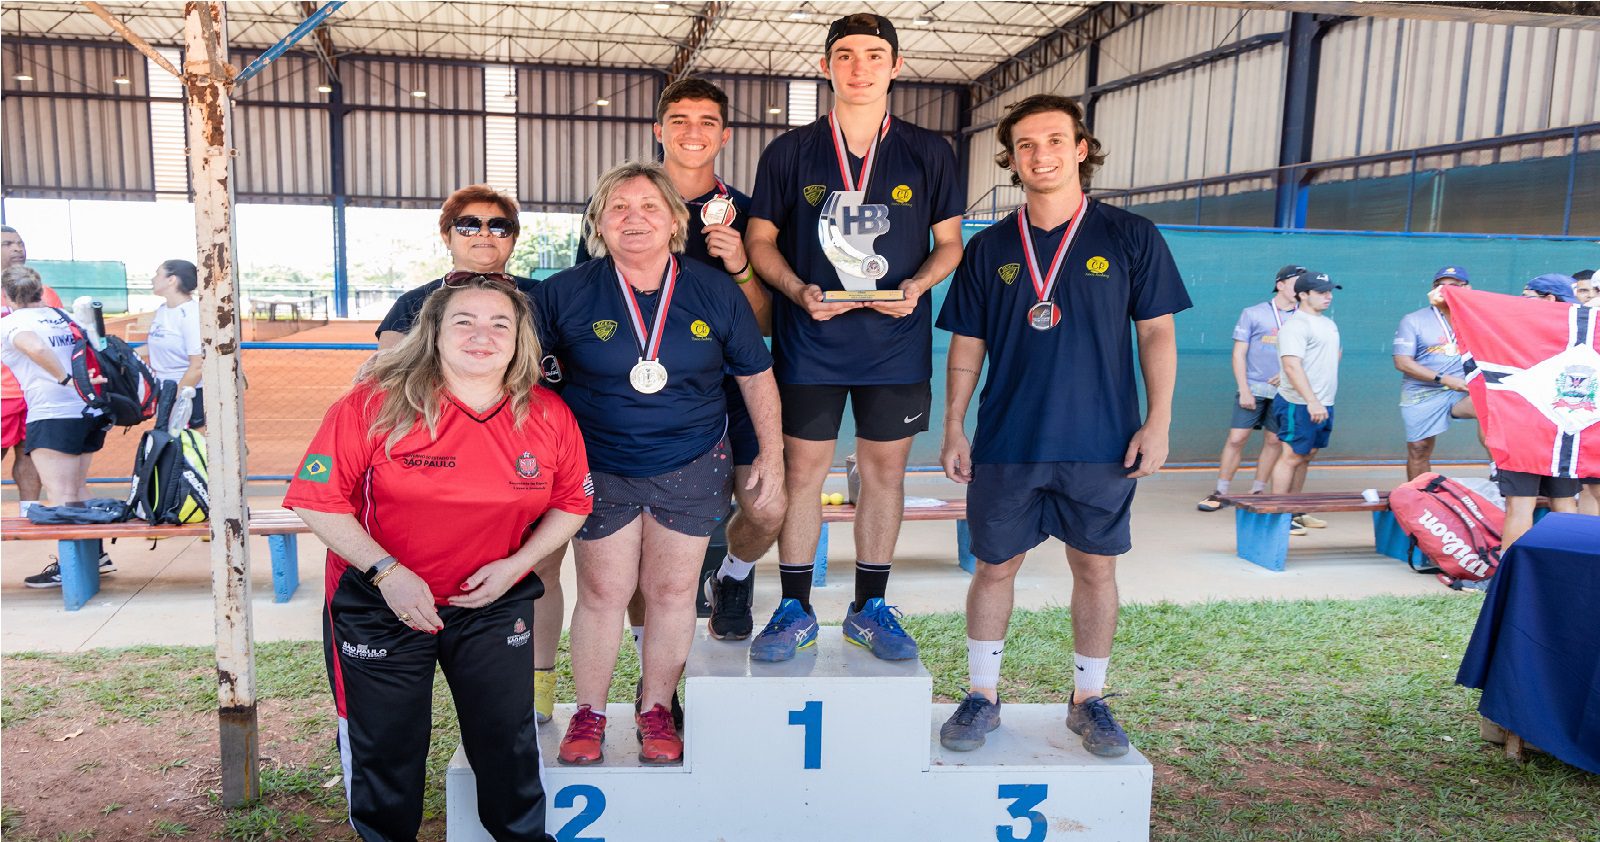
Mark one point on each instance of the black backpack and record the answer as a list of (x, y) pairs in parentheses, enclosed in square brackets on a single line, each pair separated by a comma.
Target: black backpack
[(128, 397), (169, 472)]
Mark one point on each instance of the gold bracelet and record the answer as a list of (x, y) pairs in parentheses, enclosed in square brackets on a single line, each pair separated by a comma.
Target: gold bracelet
[(384, 574)]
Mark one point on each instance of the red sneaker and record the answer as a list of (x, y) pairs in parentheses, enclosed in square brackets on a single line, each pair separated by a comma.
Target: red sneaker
[(586, 734), (659, 743)]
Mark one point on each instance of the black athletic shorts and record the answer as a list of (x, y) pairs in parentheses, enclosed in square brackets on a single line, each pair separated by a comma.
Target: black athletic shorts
[(1512, 483), (197, 413), (1012, 508), (692, 500), (741, 427), (1259, 418), (882, 413), (73, 436)]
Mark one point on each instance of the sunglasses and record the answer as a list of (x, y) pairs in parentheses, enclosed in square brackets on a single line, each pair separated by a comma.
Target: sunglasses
[(499, 226), (457, 280)]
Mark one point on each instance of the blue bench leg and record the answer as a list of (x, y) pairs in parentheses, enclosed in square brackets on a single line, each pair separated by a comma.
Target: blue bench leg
[(285, 566), (964, 555), (80, 571), (1263, 538), (1390, 540), (819, 562)]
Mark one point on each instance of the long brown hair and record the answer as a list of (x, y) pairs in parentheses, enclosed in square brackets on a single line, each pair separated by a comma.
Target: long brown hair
[(410, 376)]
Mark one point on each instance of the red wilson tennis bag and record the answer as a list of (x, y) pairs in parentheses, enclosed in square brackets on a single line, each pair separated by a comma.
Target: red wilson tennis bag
[(1455, 527)]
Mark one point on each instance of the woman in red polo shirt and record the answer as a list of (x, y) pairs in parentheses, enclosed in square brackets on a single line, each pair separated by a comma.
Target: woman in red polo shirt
[(436, 483)]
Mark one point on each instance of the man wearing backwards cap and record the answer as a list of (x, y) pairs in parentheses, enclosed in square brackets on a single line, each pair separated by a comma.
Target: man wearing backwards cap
[(1255, 375), (1434, 388), (878, 185), (1551, 287), (1308, 348)]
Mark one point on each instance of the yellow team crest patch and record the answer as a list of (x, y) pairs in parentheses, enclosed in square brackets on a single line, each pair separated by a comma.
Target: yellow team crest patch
[(1098, 265), (700, 329), (605, 329), (815, 192), (1008, 272), (901, 194)]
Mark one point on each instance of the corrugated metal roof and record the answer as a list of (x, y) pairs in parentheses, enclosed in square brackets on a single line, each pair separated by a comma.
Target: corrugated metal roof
[(956, 41)]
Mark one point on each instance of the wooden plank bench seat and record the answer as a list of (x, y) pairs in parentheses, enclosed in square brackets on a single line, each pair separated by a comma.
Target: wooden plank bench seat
[(80, 546), (955, 510), (1261, 522)]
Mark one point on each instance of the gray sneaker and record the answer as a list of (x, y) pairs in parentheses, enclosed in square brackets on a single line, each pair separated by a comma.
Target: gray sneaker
[(1092, 720), (973, 720)]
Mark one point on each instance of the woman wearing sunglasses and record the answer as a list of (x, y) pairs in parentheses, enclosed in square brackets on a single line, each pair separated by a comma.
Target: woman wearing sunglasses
[(436, 483), (479, 226), (644, 338)]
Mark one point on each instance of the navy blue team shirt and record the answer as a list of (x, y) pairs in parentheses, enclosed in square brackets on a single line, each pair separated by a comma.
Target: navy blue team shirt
[(696, 245), (915, 176), (403, 314), (710, 332), (1067, 394)]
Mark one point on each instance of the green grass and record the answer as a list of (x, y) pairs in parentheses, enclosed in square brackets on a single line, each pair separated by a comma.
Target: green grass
[(1266, 720)]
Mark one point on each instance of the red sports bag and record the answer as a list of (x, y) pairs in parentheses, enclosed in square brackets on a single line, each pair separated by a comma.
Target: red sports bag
[(1454, 526)]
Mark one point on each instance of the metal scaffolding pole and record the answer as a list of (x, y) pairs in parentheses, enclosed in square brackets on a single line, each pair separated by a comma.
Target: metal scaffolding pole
[(208, 80)]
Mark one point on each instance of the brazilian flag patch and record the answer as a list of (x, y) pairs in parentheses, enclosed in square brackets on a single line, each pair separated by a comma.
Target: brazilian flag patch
[(316, 468)]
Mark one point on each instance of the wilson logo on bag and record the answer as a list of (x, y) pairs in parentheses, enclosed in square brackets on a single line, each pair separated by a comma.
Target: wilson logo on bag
[(1457, 529)]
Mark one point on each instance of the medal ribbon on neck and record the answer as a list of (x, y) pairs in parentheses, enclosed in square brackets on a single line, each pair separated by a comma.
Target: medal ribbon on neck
[(1449, 332), (1277, 315), (1043, 286), (650, 348), (842, 153), (722, 189)]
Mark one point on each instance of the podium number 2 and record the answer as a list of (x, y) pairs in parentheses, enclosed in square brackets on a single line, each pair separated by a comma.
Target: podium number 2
[(1023, 797), (810, 718), (594, 804)]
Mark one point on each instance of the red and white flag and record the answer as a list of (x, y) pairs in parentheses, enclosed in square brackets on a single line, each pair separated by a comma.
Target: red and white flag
[(1534, 375)]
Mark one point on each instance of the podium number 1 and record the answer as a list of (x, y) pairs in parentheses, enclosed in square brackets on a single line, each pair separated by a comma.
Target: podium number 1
[(1023, 798), (810, 718)]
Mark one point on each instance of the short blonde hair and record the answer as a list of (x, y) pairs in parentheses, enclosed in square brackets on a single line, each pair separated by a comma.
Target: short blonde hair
[(620, 175)]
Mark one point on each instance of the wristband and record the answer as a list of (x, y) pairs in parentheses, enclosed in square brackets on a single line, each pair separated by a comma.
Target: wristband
[(65, 379), (1438, 378), (745, 275), (381, 568)]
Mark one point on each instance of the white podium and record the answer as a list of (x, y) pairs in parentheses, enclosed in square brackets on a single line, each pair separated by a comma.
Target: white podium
[(834, 744)]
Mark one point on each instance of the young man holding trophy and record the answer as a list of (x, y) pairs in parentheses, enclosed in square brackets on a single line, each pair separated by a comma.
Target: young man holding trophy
[(839, 229)]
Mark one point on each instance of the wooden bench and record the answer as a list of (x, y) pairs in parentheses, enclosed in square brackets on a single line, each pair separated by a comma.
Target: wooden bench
[(81, 545), (955, 510), (1261, 523)]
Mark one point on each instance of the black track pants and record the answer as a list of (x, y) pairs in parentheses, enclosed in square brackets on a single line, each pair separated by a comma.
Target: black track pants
[(382, 678)]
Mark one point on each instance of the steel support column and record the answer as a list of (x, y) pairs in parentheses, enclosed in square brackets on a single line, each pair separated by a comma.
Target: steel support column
[(1299, 113), (209, 80), (336, 185)]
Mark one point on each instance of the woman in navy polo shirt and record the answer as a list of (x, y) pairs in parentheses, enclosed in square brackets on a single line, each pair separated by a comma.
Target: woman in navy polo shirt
[(644, 338)]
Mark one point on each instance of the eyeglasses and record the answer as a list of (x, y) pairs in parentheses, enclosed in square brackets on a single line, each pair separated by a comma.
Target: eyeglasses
[(459, 279), (499, 226)]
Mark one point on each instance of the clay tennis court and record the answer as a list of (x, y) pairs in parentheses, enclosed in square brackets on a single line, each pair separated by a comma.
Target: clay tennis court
[(288, 391)]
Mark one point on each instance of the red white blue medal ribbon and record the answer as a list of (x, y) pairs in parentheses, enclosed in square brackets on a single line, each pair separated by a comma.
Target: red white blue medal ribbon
[(1044, 285), (650, 338), (842, 153)]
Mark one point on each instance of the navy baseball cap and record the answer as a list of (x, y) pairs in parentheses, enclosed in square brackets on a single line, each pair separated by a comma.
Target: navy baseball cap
[(1554, 284), (1286, 273), (1452, 271), (864, 23), (1310, 281)]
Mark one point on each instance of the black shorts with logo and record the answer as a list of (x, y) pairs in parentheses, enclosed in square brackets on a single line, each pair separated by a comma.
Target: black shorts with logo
[(882, 413), (1012, 508)]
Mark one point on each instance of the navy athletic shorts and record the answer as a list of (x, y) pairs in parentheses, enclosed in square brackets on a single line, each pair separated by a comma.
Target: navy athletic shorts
[(1012, 508)]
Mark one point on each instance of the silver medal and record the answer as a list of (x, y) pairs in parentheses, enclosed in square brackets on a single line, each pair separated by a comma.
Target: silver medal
[(1043, 316), (648, 377), (718, 211)]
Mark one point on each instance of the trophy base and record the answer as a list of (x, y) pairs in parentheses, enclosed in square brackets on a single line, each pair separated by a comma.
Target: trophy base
[(835, 296)]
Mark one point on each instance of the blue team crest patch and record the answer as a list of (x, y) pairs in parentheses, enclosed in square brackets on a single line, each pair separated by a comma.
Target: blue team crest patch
[(1008, 272)]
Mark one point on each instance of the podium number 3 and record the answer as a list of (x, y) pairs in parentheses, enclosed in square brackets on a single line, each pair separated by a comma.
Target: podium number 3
[(810, 718), (594, 804), (1023, 797)]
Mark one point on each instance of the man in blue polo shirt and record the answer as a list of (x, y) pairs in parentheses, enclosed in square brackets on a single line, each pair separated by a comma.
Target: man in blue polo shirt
[(1055, 294), (1433, 389), (847, 203)]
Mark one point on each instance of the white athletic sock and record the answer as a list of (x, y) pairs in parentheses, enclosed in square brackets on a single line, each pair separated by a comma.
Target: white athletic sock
[(1090, 674), (1222, 485), (983, 662), (734, 568), (638, 641), (1258, 486), (22, 507)]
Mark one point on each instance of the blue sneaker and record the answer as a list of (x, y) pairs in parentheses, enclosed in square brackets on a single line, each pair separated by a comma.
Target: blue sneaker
[(791, 628), (1092, 720), (875, 627), (966, 729)]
